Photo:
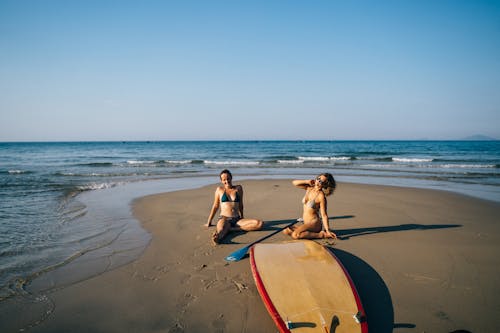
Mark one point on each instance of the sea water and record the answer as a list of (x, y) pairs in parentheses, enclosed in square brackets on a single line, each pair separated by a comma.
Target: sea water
[(67, 204)]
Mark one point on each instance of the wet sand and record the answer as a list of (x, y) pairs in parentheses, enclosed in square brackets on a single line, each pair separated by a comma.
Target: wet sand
[(422, 261)]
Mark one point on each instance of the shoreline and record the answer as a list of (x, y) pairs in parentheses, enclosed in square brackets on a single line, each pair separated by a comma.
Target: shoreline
[(113, 204), (420, 259)]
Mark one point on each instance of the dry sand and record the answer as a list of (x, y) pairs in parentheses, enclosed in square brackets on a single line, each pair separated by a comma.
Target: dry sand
[(422, 261)]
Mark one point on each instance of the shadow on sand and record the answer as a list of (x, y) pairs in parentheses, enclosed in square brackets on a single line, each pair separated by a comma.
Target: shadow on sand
[(372, 290), (277, 224), (271, 226), (344, 234), (374, 294)]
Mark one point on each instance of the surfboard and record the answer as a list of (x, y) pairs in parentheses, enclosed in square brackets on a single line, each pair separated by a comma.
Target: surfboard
[(305, 288)]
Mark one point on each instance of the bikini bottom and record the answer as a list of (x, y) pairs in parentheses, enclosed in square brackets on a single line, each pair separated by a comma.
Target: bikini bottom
[(232, 220)]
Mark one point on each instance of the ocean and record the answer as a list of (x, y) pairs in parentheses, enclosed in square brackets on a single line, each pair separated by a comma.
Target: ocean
[(65, 207)]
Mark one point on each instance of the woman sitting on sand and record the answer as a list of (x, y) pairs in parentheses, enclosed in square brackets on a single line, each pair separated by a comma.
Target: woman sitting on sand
[(229, 198), (315, 209)]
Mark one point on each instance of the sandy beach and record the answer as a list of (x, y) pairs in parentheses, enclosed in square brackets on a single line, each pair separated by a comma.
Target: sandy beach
[(422, 261)]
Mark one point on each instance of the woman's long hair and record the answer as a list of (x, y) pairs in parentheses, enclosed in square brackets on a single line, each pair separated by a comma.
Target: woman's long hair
[(330, 184)]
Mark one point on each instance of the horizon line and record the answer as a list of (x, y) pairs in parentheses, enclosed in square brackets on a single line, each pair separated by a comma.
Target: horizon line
[(239, 140)]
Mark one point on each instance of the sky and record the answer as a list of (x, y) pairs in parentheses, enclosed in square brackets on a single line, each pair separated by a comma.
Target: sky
[(248, 70)]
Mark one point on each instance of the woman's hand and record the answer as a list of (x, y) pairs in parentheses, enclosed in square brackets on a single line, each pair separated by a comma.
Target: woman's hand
[(329, 234)]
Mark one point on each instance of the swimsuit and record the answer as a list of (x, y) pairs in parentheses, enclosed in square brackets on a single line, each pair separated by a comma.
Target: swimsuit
[(311, 203), (232, 220), (227, 198)]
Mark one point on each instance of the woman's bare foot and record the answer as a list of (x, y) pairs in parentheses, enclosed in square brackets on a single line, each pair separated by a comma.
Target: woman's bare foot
[(215, 238), (287, 231)]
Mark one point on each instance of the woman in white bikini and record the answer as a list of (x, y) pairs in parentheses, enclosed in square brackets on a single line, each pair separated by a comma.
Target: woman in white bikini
[(315, 208), (229, 198)]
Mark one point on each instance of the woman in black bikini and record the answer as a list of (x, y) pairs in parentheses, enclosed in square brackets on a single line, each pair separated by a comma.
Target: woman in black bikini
[(229, 198), (315, 209)]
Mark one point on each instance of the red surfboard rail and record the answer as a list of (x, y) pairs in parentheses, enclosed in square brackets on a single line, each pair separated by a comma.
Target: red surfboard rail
[(361, 310), (265, 296)]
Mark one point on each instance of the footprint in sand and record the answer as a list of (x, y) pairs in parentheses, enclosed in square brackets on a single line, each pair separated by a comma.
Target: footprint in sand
[(240, 286), (442, 315), (184, 301), (219, 324), (177, 328)]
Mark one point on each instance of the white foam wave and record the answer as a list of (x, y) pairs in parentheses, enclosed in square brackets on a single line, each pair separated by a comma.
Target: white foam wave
[(135, 162), (314, 158), (412, 160), (97, 186), (324, 158), (340, 158), (92, 174), (178, 161), (468, 166), (16, 172), (231, 162)]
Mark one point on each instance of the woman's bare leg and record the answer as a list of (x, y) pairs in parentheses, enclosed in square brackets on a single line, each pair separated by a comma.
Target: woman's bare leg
[(306, 231), (306, 235), (249, 224), (222, 229), (288, 231), (313, 235)]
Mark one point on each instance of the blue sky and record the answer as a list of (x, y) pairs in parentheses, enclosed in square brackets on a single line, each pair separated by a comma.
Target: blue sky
[(176, 70)]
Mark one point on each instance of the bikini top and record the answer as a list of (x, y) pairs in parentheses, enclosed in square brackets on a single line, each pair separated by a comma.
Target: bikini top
[(311, 203), (227, 198)]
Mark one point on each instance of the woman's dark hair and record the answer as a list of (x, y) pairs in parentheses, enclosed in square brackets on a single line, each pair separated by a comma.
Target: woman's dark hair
[(226, 171), (330, 184)]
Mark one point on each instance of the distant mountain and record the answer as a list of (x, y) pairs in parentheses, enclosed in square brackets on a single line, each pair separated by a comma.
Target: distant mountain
[(479, 137)]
